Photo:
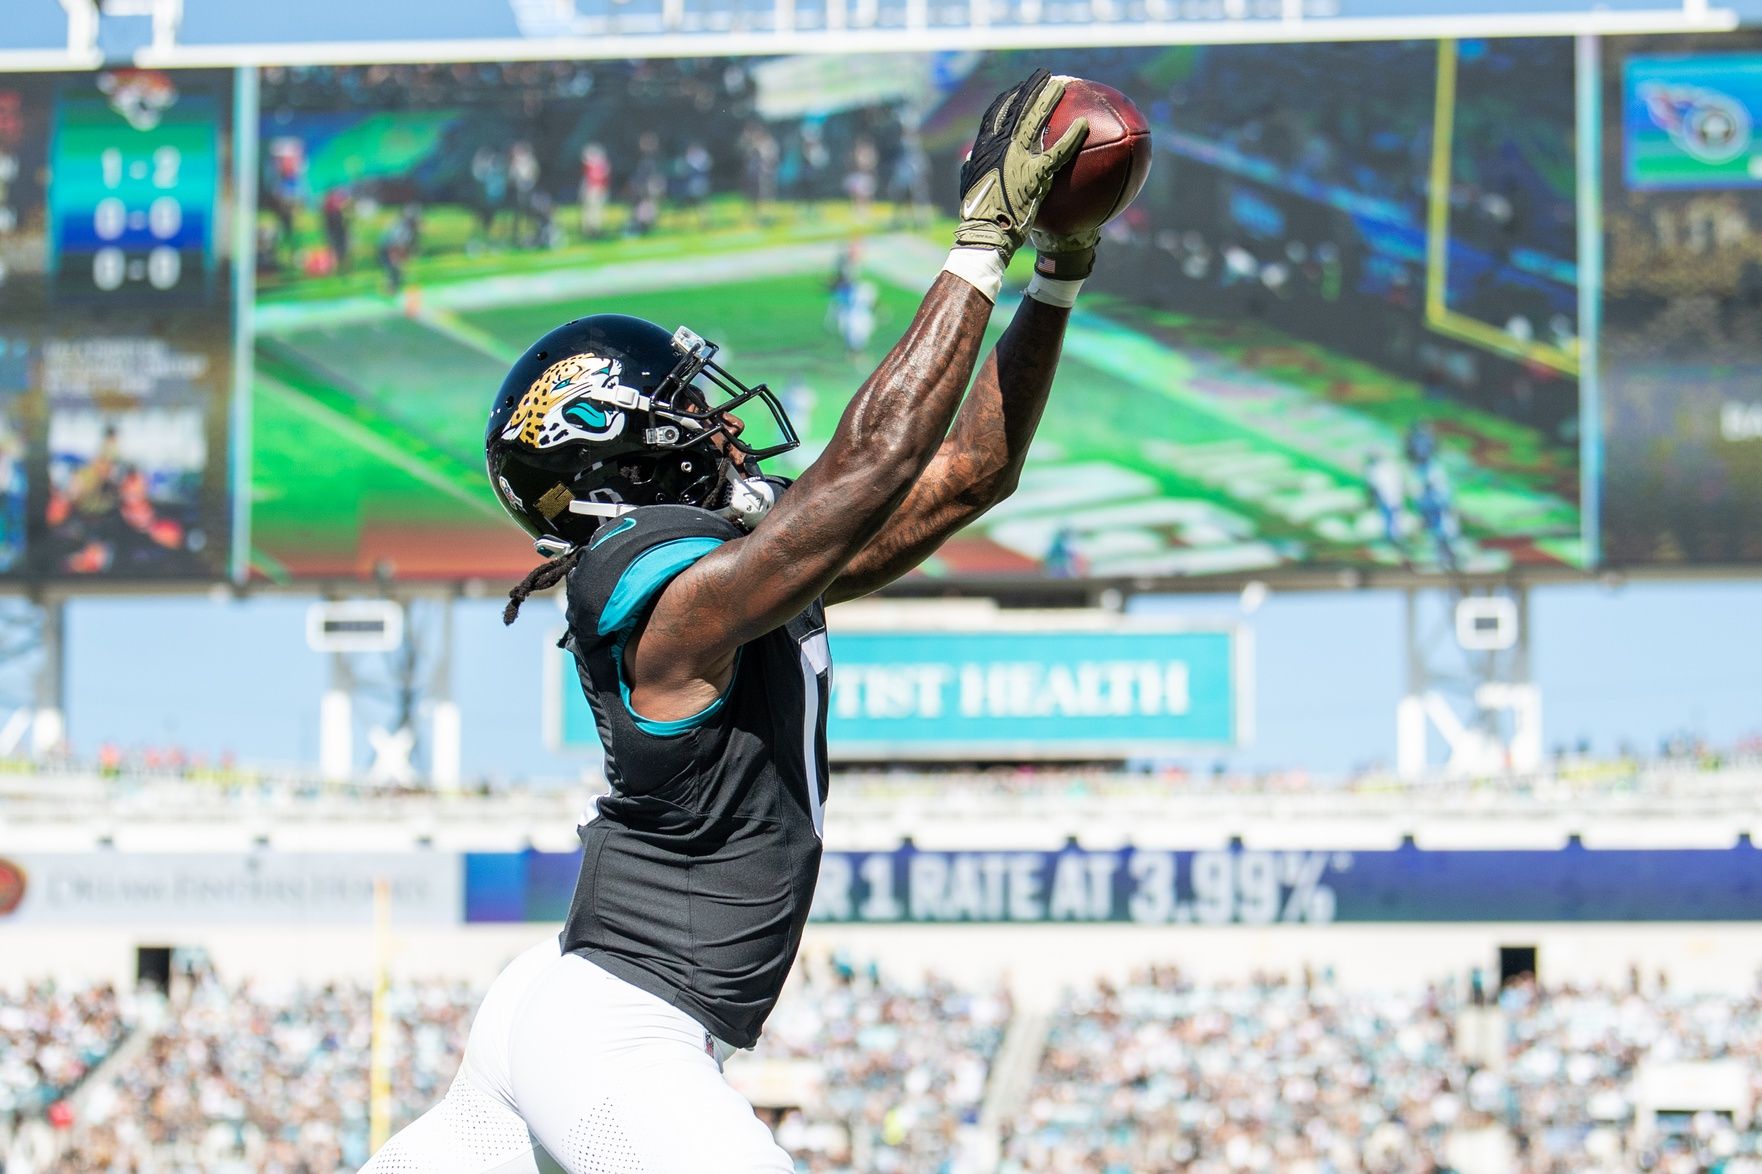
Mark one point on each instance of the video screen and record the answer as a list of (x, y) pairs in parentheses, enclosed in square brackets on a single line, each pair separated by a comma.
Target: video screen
[(116, 325), (1267, 373), (1682, 331)]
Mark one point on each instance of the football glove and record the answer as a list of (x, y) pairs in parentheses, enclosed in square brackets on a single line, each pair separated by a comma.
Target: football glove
[(1006, 176)]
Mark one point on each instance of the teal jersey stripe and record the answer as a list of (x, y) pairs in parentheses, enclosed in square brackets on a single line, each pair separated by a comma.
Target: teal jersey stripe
[(641, 581), (677, 726)]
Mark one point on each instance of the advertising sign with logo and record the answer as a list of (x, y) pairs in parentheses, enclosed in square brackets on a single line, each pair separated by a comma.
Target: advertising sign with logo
[(226, 888)]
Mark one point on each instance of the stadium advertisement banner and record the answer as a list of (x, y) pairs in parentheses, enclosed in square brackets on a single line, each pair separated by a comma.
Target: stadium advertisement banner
[(1252, 384), (1690, 121), (1048, 693), (225, 888), (1225, 887), (1044, 694)]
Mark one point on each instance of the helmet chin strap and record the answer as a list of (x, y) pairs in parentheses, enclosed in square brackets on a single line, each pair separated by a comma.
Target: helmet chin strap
[(749, 498)]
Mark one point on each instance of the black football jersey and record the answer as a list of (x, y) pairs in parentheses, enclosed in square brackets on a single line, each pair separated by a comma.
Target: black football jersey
[(700, 864)]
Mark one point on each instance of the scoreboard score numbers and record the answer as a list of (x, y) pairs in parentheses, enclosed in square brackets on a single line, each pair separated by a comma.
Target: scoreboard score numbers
[(136, 187)]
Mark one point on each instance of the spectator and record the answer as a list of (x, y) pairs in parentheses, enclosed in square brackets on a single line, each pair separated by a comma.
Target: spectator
[(596, 186)]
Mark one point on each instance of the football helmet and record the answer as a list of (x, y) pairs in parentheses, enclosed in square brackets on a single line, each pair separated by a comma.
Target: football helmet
[(609, 413)]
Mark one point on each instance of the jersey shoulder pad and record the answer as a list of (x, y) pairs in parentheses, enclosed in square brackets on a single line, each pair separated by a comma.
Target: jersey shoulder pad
[(630, 559)]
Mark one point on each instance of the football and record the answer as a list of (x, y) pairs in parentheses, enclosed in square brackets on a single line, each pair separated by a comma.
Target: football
[(1108, 172)]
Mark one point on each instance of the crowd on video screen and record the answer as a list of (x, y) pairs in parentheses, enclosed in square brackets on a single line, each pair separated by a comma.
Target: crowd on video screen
[(536, 155), (1312, 215)]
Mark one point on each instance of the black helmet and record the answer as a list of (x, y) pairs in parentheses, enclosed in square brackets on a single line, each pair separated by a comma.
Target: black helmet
[(603, 415)]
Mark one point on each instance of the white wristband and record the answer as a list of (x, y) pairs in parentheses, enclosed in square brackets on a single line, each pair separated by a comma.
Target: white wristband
[(1050, 291), (980, 268)]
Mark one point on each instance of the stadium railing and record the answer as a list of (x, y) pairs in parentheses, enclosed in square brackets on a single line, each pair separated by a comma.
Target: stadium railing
[(1707, 801)]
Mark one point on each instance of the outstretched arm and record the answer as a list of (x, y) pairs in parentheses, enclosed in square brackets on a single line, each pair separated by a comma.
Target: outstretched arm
[(682, 656), (886, 437), (979, 461)]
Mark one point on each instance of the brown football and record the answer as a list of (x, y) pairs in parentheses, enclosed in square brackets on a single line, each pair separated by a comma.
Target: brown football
[(1108, 172)]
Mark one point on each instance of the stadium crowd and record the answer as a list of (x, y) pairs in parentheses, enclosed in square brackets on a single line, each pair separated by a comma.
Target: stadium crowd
[(1301, 1077), (275, 1077), (51, 1037), (1295, 1075), (263, 1077), (902, 1066)]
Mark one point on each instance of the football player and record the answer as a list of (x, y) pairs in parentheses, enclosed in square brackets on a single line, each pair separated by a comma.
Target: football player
[(696, 589)]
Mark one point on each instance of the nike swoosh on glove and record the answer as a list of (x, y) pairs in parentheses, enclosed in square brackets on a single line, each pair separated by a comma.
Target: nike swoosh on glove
[(1006, 176)]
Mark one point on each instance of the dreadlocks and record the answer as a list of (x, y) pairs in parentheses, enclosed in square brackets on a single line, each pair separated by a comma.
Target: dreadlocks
[(543, 578)]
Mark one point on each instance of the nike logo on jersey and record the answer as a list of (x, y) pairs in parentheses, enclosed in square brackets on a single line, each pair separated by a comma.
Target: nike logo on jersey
[(611, 531)]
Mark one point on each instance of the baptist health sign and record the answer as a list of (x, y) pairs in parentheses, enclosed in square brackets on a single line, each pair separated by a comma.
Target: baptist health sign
[(1037, 685)]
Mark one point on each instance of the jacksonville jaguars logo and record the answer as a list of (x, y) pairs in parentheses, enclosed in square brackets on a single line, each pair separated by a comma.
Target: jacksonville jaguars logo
[(556, 408), (1711, 126), (141, 96)]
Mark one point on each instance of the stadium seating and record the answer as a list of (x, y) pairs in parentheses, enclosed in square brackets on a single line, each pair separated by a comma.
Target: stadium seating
[(51, 1037), (254, 1077), (902, 1067), (1301, 1077), (1287, 1074)]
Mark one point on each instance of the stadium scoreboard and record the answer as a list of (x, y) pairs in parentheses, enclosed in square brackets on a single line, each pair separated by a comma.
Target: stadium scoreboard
[(116, 326), (1361, 380)]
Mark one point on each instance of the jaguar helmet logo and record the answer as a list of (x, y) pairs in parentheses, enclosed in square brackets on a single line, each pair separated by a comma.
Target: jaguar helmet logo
[(557, 409)]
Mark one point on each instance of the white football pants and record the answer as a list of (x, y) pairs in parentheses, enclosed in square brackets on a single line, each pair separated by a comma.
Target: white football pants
[(569, 1068)]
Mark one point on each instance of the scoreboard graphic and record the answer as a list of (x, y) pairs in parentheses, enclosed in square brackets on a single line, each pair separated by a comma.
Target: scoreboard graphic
[(137, 182), (116, 326)]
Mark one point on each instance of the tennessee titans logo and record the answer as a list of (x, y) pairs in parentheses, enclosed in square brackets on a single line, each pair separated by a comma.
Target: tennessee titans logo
[(1711, 126), (557, 409)]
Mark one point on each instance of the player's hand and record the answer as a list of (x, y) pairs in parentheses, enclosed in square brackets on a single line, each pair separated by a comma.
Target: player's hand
[(1006, 176), (1065, 258)]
